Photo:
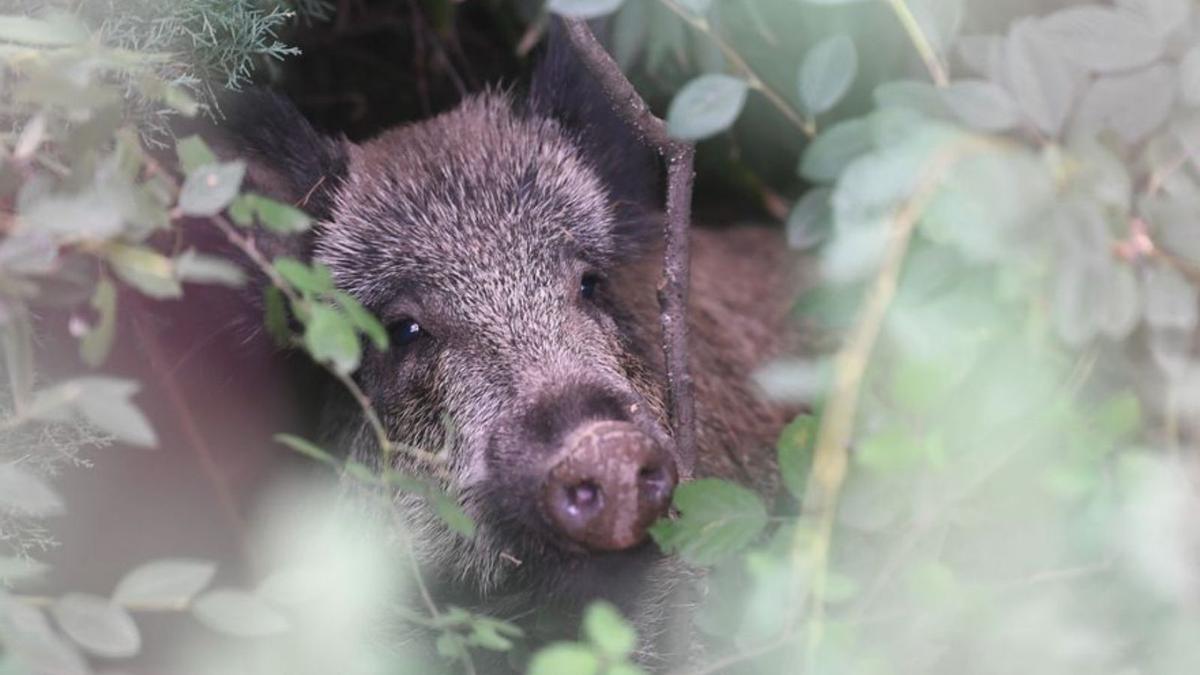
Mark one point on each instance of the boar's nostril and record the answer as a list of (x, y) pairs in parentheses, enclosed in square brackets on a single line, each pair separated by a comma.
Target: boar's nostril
[(583, 498), (607, 485)]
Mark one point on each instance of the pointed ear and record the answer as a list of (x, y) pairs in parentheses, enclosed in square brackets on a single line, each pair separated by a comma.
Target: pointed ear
[(563, 88), (287, 158)]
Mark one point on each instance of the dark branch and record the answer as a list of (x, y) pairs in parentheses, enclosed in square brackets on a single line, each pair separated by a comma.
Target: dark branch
[(673, 291)]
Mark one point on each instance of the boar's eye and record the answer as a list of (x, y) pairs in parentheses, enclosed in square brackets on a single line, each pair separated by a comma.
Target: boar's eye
[(588, 284), (406, 331)]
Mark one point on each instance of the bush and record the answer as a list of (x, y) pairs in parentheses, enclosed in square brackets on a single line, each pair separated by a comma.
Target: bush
[(998, 472)]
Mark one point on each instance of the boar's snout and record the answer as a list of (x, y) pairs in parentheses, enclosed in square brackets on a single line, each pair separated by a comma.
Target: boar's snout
[(609, 483)]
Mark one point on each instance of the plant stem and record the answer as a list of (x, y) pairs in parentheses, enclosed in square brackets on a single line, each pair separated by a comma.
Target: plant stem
[(924, 47), (752, 78)]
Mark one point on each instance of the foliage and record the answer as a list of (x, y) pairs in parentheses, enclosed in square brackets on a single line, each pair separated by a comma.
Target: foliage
[(998, 473)]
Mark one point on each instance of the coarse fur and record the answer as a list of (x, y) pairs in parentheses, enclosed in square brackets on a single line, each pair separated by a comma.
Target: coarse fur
[(479, 225)]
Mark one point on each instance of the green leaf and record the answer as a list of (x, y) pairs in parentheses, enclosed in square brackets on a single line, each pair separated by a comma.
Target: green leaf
[(330, 339), (315, 279), (1132, 105), (796, 444), (275, 316), (363, 321), (1103, 39), (452, 514), (180, 100), (194, 154), (306, 448), (58, 30), (895, 450), (563, 658), (718, 519), (279, 217), (98, 625), (706, 106), (918, 96), (605, 628), (145, 269), (982, 105), (811, 220), (35, 645), (24, 492), (1043, 82), (583, 9), (167, 583), (211, 188), (97, 342), (241, 210), (239, 613), (835, 148), (827, 72), (207, 269)]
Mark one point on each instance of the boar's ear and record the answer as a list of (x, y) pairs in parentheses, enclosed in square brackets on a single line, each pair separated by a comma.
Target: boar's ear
[(564, 88), (287, 159)]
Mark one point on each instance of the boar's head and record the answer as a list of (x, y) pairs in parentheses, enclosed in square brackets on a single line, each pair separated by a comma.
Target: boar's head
[(492, 240)]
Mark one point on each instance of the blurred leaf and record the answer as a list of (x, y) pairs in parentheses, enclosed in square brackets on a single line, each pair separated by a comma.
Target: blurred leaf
[(1189, 77), (103, 401), (982, 105), (207, 269), (828, 155), (58, 30), (940, 21), (180, 100), (167, 583), (97, 342), (24, 492), (238, 613), (811, 220), (145, 269), (706, 106), (306, 448), (1133, 105), (1044, 83), (314, 279), (28, 253), (560, 658), (827, 72), (98, 625), (194, 154), (275, 316), (363, 320), (209, 189), (1171, 301), (1162, 16), (279, 217), (796, 444), (29, 637), (330, 339), (1119, 417), (241, 210), (19, 569), (452, 514), (605, 628), (895, 450), (915, 95), (583, 9), (1103, 39), (717, 519)]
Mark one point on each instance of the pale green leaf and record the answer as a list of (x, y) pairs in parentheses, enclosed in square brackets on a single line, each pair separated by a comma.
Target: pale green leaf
[(706, 106), (717, 519), (164, 584), (208, 269), (330, 339), (1103, 39), (24, 492), (827, 72), (605, 628), (239, 613), (565, 658), (98, 625), (583, 9), (210, 188), (835, 148)]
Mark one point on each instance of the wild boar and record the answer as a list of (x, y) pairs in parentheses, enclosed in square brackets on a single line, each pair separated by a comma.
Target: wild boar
[(512, 247)]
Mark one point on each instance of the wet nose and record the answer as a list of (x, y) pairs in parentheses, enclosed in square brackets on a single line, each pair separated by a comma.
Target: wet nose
[(609, 483)]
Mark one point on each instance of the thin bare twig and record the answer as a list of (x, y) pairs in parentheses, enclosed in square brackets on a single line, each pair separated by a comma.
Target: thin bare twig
[(673, 290)]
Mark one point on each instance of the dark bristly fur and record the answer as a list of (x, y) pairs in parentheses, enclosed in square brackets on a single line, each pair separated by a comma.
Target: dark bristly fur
[(479, 224)]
